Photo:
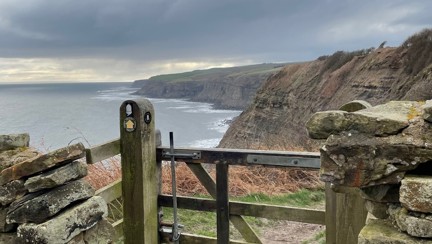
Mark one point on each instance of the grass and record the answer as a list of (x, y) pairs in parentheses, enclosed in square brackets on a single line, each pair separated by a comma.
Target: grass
[(247, 184), (301, 198), (199, 75), (201, 223), (318, 238), (204, 223)]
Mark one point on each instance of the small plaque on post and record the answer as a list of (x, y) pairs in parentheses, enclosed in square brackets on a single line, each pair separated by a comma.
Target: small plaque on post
[(147, 117), (129, 124)]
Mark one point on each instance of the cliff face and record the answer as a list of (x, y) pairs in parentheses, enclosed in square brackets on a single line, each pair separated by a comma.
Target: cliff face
[(276, 119), (229, 88)]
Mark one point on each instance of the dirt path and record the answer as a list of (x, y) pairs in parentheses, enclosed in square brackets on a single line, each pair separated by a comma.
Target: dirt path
[(290, 232), (282, 231)]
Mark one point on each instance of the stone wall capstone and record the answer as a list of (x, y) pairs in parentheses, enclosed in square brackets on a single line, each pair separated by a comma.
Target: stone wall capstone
[(386, 151)]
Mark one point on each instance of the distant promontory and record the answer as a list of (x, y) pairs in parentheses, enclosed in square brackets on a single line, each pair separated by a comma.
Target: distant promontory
[(225, 88)]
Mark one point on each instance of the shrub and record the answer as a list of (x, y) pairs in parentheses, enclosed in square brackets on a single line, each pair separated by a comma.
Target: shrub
[(340, 58), (419, 51)]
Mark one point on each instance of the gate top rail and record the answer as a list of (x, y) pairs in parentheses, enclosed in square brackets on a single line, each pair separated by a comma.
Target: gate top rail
[(212, 155), (244, 157)]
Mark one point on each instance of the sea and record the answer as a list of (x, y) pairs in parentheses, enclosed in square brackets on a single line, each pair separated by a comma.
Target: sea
[(58, 114)]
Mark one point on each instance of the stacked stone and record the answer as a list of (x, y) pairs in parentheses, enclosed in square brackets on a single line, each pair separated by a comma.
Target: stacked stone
[(43, 198), (386, 151)]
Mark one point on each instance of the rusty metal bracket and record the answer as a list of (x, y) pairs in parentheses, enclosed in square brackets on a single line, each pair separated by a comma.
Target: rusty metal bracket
[(303, 162), (180, 154)]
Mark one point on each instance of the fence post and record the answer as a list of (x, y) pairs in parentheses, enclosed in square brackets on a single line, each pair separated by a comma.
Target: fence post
[(139, 172), (222, 202), (330, 214), (345, 214)]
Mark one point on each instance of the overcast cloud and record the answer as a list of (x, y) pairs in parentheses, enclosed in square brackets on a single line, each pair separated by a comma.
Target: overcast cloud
[(123, 40)]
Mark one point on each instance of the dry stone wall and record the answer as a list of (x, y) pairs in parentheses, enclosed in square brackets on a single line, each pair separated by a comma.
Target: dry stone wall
[(386, 151), (43, 198)]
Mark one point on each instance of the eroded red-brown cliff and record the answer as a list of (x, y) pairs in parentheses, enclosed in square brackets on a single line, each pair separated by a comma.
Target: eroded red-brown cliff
[(276, 119)]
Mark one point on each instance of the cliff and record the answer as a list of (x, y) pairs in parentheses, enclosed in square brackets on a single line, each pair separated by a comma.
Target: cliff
[(228, 88), (276, 119)]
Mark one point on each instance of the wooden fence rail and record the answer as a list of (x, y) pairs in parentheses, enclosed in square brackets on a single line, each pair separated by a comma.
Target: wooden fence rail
[(344, 215)]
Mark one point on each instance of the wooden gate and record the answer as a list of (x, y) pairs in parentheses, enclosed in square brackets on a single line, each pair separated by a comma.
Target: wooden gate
[(142, 156)]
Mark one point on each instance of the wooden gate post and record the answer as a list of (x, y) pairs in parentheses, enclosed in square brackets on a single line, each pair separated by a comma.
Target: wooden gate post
[(139, 172), (345, 214), (330, 214), (222, 203)]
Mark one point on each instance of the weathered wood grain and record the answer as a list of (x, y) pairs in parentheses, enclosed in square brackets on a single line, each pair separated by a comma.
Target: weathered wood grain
[(345, 215), (330, 214), (103, 151), (303, 215), (222, 203), (111, 192), (197, 239), (351, 216), (118, 226), (139, 172), (238, 221)]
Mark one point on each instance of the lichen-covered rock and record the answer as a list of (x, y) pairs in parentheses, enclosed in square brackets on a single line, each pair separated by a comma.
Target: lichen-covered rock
[(416, 193), (381, 120), (42, 162), (323, 124), (415, 224), (372, 146), (381, 193), (41, 207), (11, 192), (78, 239), (5, 227), (102, 232), (427, 111), (355, 105), (377, 209), (8, 142), (361, 160), (66, 225), (56, 177), (15, 156), (382, 232), (8, 238)]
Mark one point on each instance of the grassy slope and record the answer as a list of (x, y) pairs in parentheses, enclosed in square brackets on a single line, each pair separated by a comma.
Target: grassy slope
[(214, 73)]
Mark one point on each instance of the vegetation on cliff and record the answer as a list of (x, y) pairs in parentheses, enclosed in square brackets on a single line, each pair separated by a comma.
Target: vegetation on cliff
[(231, 88), (418, 51), (276, 119)]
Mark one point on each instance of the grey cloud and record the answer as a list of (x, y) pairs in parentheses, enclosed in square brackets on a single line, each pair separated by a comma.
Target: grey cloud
[(265, 30)]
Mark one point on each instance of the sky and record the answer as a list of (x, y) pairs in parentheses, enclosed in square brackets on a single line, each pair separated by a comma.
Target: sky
[(126, 40)]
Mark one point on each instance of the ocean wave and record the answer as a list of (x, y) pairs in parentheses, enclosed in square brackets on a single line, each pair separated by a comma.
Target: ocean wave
[(206, 143), (118, 97), (116, 94), (118, 89), (221, 125), (210, 110), (180, 107), (165, 100)]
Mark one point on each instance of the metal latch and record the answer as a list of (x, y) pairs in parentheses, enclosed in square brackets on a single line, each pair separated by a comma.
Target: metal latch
[(181, 154), (284, 161), (176, 229)]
